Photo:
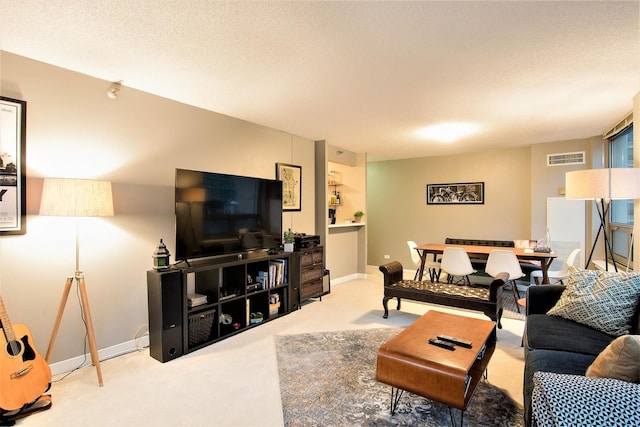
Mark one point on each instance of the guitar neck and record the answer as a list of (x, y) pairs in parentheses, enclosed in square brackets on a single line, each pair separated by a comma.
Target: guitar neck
[(6, 323)]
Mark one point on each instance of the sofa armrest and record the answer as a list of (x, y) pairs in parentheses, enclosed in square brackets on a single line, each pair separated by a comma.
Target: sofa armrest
[(392, 272), (495, 287), (561, 399), (541, 298)]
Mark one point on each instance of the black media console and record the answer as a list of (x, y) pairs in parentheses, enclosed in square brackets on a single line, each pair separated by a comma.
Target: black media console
[(195, 305)]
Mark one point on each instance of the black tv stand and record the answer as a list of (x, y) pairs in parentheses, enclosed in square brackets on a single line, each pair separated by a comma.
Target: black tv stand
[(193, 305)]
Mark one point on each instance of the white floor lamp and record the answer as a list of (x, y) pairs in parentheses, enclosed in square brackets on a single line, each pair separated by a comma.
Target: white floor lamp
[(77, 198), (602, 186)]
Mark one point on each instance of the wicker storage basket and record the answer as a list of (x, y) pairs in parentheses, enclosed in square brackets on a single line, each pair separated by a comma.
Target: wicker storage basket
[(200, 327)]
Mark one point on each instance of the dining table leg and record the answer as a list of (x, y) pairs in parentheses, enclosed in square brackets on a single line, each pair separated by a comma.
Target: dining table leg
[(544, 265), (423, 260)]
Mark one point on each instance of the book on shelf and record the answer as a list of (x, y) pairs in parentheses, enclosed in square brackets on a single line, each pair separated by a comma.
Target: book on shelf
[(263, 278), (272, 275), (277, 272)]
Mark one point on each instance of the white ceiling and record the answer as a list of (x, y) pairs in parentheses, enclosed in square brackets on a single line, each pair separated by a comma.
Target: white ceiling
[(364, 76)]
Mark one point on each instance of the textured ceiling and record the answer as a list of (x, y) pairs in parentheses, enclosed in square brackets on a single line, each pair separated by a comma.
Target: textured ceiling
[(364, 76)]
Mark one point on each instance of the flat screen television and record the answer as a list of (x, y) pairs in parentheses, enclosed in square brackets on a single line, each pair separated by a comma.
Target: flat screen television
[(218, 214)]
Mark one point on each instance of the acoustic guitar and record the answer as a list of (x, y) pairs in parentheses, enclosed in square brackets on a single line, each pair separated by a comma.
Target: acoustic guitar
[(24, 374)]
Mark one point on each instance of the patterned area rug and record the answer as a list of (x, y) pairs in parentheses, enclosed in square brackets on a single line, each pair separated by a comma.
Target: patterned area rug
[(328, 379), (509, 305), (509, 309)]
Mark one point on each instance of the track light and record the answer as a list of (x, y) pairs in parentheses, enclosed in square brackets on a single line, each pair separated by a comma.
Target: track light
[(114, 89)]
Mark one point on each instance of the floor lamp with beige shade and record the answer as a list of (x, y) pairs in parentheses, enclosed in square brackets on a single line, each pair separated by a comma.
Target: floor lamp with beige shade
[(76, 198), (602, 186)]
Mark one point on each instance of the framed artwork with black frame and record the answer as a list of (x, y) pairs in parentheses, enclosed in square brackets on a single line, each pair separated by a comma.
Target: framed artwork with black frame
[(461, 193), (13, 180), (291, 177)]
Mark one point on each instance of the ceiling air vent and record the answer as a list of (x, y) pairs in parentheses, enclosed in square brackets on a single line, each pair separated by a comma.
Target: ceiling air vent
[(563, 159)]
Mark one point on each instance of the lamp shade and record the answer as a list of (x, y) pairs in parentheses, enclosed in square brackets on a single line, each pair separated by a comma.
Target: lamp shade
[(608, 184), (625, 183), (76, 197)]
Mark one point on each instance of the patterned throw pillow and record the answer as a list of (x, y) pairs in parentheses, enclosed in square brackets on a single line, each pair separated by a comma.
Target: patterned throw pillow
[(602, 300)]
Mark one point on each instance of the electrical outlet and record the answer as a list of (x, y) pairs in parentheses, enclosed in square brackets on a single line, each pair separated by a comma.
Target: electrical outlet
[(387, 257)]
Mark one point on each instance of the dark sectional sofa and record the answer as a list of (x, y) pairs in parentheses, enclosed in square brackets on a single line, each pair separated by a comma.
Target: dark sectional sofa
[(554, 344)]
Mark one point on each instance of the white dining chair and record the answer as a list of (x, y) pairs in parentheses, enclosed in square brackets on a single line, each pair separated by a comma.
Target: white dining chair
[(431, 267), (456, 263), (558, 276), (500, 261)]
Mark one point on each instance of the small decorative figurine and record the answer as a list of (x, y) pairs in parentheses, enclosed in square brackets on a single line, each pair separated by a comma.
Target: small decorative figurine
[(161, 257)]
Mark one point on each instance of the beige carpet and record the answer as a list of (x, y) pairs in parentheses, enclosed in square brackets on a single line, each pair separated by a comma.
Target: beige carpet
[(235, 382)]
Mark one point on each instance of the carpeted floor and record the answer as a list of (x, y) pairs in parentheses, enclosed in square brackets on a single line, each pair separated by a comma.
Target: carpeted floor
[(328, 379)]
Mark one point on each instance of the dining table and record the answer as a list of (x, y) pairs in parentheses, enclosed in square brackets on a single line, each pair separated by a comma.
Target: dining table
[(476, 251)]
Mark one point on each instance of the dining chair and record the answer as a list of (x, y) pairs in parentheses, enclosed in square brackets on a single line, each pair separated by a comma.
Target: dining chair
[(431, 266), (456, 263), (558, 275), (500, 261)]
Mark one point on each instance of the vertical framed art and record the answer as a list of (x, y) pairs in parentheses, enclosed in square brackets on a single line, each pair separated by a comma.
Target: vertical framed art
[(291, 177), (13, 127)]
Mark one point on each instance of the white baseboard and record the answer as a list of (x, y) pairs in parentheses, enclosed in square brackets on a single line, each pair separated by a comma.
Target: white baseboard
[(347, 278), (68, 365)]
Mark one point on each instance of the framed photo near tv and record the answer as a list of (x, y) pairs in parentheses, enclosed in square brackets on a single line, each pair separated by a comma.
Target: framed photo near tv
[(13, 127), (291, 177), (462, 193)]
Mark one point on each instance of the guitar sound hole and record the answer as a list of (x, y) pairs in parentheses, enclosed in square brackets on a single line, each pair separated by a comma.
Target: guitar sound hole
[(14, 348)]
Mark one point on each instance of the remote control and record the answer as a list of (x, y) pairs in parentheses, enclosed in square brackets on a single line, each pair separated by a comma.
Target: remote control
[(441, 343), (454, 340)]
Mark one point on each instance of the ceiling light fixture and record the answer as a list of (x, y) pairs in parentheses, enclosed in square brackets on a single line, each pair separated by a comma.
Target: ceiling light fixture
[(114, 89), (448, 131)]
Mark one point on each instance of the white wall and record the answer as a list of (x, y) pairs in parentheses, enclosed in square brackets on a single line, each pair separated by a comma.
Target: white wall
[(548, 181), (136, 141)]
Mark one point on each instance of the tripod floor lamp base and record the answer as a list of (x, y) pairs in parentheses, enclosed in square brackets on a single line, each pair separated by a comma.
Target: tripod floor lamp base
[(93, 349), (77, 198), (603, 211)]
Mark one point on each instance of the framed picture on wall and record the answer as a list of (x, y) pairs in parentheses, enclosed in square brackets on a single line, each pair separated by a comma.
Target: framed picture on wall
[(463, 193), (13, 127), (291, 177)]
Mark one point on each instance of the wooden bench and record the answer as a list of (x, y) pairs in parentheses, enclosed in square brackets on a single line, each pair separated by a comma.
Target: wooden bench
[(488, 300)]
